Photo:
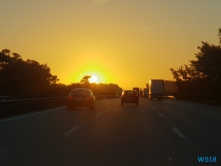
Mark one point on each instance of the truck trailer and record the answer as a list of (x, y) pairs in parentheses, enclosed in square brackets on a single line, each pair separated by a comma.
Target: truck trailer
[(156, 89)]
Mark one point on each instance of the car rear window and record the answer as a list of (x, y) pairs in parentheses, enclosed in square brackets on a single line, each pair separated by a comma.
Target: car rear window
[(81, 92), (130, 92)]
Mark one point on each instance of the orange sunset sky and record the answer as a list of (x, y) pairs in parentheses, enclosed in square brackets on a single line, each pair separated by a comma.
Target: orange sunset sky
[(126, 42)]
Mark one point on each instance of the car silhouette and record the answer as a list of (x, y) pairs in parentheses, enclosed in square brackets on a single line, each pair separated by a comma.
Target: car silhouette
[(81, 97), (129, 96)]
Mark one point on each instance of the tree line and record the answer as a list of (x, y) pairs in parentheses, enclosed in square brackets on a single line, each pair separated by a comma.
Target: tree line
[(201, 79), (29, 79)]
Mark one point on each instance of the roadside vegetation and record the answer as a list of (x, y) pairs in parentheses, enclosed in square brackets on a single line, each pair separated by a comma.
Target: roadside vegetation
[(29, 79), (201, 79), (198, 81)]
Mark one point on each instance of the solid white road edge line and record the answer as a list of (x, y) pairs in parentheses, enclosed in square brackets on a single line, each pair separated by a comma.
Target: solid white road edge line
[(196, 146)]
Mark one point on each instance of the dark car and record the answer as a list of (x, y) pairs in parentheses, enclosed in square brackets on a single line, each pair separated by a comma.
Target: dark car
[(81, 97), (129, 96)]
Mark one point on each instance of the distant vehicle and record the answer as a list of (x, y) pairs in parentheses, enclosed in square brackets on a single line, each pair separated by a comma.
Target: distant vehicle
[(156, 89), (145, 92), (137, 89), (81, 97), (129, 96), (141, 93)]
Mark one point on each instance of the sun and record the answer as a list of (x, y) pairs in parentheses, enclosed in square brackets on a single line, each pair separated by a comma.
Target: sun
[(93, 79)]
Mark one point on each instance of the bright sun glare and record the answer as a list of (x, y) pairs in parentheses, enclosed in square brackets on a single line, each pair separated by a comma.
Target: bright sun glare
[(93, 79)]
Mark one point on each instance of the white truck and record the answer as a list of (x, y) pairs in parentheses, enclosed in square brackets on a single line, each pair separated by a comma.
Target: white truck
[(156, 89)]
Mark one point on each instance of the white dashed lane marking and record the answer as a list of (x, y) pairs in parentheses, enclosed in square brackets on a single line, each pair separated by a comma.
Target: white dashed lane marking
[(71, 131), (178, 132), (99, 114), (160, 114), (79, 126)]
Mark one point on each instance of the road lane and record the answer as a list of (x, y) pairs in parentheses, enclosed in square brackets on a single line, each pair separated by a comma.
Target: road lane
[(28, 134), (199, 122), (109, 135), (125, 135)]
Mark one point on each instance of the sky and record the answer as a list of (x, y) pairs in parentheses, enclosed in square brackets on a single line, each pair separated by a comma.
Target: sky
[(125, 42)]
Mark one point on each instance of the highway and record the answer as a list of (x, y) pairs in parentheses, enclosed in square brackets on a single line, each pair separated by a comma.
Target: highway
[(154, 133)]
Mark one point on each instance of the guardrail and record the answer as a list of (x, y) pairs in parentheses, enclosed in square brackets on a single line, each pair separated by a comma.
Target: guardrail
[(21, 106)]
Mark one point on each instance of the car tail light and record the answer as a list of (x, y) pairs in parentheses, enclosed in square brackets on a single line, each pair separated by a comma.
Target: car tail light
[(89, 98), (70, 97)]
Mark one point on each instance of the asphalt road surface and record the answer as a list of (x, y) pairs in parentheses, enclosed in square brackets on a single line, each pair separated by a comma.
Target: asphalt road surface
[(154, 133)]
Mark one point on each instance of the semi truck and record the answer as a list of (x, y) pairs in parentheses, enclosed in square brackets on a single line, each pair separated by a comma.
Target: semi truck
[(156, 89)]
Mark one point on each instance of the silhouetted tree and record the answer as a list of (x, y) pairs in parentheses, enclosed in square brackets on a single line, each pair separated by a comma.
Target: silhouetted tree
[(23, 78), (85, 80), (59, 90), (98, 89), (29, 78), (5, 58), (219, 34), (202, 78), (208, 64)]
